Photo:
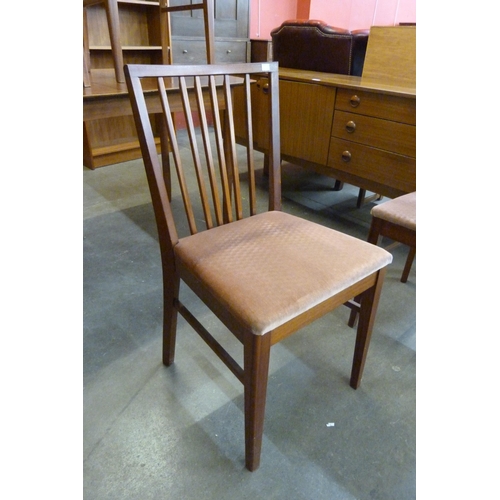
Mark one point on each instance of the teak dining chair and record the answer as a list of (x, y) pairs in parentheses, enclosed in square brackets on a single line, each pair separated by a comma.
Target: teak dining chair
[(395, 219), (264, 274)]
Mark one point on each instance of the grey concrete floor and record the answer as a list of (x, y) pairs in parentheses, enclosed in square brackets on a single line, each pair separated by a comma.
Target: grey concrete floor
[(152, 432)]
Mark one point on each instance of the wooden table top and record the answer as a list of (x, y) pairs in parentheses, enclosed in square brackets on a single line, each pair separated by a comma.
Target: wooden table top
[(347, 81)]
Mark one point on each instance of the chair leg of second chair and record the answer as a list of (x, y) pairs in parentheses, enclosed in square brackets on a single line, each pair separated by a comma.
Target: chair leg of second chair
[(408, 264)]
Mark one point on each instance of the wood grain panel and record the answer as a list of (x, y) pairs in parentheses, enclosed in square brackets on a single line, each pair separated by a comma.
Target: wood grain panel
[(383, 134), (306, 114), (393, 170), (391, 55), (376, 104)]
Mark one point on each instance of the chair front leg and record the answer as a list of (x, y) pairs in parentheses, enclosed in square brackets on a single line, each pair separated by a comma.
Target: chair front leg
[(369, 304), (256, 372)]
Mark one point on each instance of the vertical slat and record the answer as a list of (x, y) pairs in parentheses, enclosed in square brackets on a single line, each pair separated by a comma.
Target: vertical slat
[(274, 146), (250, 162), (167, 115), (231, 147), (208, 150), (194, 150), (220, 150)]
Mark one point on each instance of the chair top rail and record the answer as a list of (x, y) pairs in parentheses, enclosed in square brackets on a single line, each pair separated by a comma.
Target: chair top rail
[(173, 70)]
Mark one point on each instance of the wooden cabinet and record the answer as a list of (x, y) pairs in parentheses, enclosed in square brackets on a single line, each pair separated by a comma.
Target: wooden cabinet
[(359, 132), (261, 50), (113, 139), (231, 21), (374, 141), (189, 51), (260, 114)]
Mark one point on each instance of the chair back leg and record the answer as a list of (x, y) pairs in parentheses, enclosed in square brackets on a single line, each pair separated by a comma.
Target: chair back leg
[(114, 35), (408, 264), (166, 27)]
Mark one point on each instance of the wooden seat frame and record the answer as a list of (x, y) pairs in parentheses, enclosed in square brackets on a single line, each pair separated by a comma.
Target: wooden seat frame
[(256, 347)]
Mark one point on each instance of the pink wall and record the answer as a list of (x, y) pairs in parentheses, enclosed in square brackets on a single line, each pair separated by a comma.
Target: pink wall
[(266, 15)]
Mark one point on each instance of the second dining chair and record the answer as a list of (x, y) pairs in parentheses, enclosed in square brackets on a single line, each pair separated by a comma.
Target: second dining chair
[(264, 273)]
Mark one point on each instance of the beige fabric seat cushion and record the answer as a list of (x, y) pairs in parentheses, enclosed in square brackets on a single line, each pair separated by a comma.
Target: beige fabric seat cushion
[(401, 211), (269, 268)]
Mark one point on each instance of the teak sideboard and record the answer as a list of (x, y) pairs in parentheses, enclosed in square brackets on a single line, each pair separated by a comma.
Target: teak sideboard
[(357, 130)]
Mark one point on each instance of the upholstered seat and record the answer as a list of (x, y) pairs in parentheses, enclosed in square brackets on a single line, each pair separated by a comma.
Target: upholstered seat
[(397, 219), (401, 211), (269, 268)]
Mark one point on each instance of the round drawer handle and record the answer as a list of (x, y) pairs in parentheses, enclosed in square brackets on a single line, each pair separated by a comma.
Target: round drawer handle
[(355, 100), (346, 156), (185, 51), (228, 51), (265, 88), (350, 126)]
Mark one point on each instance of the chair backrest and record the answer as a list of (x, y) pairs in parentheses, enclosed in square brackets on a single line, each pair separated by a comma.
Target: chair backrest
[(209, 177)]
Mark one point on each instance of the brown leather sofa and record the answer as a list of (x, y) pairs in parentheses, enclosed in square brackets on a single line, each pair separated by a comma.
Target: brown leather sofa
[(315, 46)]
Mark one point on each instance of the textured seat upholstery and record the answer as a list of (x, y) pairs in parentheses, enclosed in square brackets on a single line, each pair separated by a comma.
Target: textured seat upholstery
[(401, 211), (261, 268), (315, 46)]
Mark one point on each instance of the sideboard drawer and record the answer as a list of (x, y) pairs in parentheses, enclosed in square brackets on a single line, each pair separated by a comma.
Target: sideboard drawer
[(394, 170), (383, 134), (389, 107)]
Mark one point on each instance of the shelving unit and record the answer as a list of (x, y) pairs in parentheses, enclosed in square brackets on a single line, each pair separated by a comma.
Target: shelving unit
[(140, 33), (112, 140)]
